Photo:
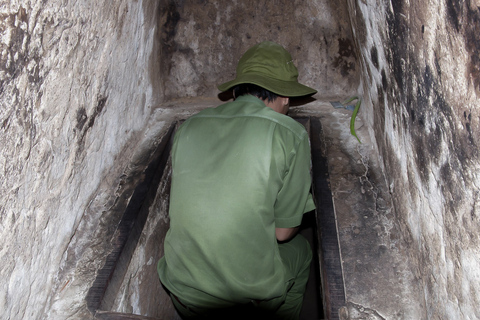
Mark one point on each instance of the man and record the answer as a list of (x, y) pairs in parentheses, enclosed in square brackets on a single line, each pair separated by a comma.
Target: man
[(240, 186)]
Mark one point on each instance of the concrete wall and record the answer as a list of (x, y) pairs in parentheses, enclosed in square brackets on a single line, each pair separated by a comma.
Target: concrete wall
[(78, 90), (203, 41), (421, 85), (87, 89)]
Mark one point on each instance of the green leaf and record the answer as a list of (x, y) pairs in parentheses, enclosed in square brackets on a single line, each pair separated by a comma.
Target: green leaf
[(354, 115), (350, 100)]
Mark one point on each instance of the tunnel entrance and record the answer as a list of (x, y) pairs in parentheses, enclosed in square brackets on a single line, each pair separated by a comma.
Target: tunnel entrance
[(128, 287)]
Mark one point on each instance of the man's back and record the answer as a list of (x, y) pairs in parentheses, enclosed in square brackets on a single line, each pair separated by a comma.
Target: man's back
[(239, 172)]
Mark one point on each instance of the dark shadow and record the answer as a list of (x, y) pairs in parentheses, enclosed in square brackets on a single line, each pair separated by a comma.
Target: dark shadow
[(294, 101), (300, 101), (312, 308), (225, 95)]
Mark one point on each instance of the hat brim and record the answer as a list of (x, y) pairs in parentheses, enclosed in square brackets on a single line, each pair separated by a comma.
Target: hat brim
[(282, 88)]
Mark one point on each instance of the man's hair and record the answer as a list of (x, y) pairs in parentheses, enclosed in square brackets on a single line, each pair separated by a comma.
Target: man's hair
[(254, 90)]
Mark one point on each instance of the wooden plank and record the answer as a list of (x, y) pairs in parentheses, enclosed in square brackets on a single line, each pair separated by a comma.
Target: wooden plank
[(109, 315), (330, 262), (131, 220)]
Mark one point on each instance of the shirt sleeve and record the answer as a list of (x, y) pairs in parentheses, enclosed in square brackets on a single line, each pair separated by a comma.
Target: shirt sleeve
[(294, 198)]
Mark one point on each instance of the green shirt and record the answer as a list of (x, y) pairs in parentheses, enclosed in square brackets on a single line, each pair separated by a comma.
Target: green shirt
[(238, 172)]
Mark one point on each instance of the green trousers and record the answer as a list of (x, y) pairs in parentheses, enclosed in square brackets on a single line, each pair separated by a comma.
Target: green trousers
[(296, 256)]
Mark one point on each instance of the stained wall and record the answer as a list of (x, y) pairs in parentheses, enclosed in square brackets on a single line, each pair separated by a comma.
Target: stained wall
[(420, 83), (88, 88)]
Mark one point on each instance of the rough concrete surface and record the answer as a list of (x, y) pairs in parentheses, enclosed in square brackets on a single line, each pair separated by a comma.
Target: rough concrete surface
[(88, 88), (420, 84), (376, 275), (81, 93), (76, 100), (204, 40)]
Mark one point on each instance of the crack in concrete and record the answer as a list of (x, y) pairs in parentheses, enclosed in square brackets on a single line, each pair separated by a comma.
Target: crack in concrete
[(354, 311), (364, 179)]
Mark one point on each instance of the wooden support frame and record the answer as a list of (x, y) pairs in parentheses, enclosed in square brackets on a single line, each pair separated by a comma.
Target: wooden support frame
[(328, 267)]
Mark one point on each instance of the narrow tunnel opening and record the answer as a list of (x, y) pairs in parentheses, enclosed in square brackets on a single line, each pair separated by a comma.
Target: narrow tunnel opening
[(128, 286)]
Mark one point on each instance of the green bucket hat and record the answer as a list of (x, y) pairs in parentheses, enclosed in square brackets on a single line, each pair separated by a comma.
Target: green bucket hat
[(271, 67)]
